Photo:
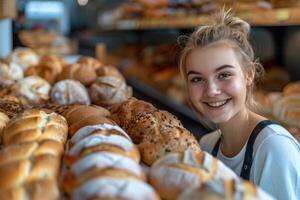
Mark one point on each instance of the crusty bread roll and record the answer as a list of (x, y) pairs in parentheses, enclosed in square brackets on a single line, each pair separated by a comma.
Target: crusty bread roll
[(10, 108), (291, 88), (95, 164), (87, 121), (49, 67), (124, 112), (44, 166), (34, 190), (175, 172), (109, 90), (75, 113), (97, 129), (150, 123), (24, 57), (113, 188), (35, 125), (32, 90), (3, 121), (102, 143), (110, 71), (70, 92), (225, 189), (10, 73), (83, 71), (170, 139), (26, 150)]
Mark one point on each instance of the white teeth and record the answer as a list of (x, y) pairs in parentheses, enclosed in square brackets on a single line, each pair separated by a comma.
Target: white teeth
[(217, 104)]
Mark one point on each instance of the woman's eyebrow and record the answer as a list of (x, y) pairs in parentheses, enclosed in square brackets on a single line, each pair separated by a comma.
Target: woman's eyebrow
[(223, 67), (193, 72)]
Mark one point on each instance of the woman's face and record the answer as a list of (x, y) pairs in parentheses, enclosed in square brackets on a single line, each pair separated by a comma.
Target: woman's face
[(216, 82)]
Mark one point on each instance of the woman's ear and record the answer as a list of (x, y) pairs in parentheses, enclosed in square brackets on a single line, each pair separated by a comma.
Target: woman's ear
[(250, 75)]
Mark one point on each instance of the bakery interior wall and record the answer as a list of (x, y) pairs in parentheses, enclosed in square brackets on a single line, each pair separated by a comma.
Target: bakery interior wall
[(274, 46)]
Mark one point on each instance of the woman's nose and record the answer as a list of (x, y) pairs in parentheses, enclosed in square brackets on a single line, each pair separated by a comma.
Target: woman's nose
[(212, 89)]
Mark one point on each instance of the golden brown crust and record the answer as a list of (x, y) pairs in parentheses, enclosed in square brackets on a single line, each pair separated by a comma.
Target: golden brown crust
[(26, 150), (291, 88), (150, 123), (124, 112), (110, 71), (170, 139), (3, 121), (10, 108)]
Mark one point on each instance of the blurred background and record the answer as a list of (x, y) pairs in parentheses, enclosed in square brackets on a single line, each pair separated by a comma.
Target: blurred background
[(140, 38)]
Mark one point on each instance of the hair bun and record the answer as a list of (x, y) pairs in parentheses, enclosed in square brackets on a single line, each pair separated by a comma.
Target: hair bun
[(227, 18)]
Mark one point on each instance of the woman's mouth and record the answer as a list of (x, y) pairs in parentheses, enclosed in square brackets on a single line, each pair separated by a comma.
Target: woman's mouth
[(217, 104)]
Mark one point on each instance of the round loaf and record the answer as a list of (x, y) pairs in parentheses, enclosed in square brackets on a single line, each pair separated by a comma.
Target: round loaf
[(102, 143), (97, 129), (42, 166), (109, 188), (83, 71), (10, 73), (76, 112), (49, 67), (95, 164), (35, 125), (109, 90), (69, 92), (24, 57), (150, 123), (124, 112), (32, 90), (110, 71), (170, 139), (225, 189), (175, 172), (10, 108), (35, 190), (26, 150)]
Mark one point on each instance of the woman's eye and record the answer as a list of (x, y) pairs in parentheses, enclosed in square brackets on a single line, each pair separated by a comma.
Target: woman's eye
[(224, 76), (196, 80)]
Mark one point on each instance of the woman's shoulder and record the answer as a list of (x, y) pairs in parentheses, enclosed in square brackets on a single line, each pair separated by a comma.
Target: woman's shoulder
[(275, 139), (208, 141)]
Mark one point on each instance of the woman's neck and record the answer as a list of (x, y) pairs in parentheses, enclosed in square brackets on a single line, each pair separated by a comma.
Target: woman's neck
[(236, 131)]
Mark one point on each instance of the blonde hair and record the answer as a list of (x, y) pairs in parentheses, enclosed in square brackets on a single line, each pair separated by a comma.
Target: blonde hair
[(229, 30)]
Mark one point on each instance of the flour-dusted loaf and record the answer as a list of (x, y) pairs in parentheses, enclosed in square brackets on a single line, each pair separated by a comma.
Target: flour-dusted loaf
[(24, 57), (10, 73)]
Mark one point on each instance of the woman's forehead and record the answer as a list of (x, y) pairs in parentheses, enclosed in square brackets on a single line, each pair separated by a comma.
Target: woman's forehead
[(211, 57)]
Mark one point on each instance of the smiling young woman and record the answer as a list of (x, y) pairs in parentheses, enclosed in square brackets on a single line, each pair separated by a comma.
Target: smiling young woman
[(220, 72)]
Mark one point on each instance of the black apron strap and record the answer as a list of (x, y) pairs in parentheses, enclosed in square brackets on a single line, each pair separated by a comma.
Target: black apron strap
[(245, 173)]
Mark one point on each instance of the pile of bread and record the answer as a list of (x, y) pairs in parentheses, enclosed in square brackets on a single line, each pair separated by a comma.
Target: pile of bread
[(36, 80), (124, 149), (283, 107)]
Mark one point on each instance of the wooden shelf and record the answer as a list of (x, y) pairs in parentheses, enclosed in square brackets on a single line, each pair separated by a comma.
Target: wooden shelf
[(274, 17)]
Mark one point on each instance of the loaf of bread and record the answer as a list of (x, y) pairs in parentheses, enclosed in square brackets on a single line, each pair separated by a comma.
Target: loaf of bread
[(175, 172), (150, 123), (225, 189), (110, 71), (34, 190), (170, 139), (109, 90), (3, 121), (24, 57), (125, 112), (35, 125), (83, 71), (291, 88), (97, 129), (32, 90), (10, 73), (27, 150), (49, 67), (102, 143), (114, 188), (69, 92), (97, 164), (44, 166), (10, 108), (76, 113), (87, 121)]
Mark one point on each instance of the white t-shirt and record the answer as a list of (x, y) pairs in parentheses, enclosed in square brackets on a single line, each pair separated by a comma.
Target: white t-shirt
[(276, 161)]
